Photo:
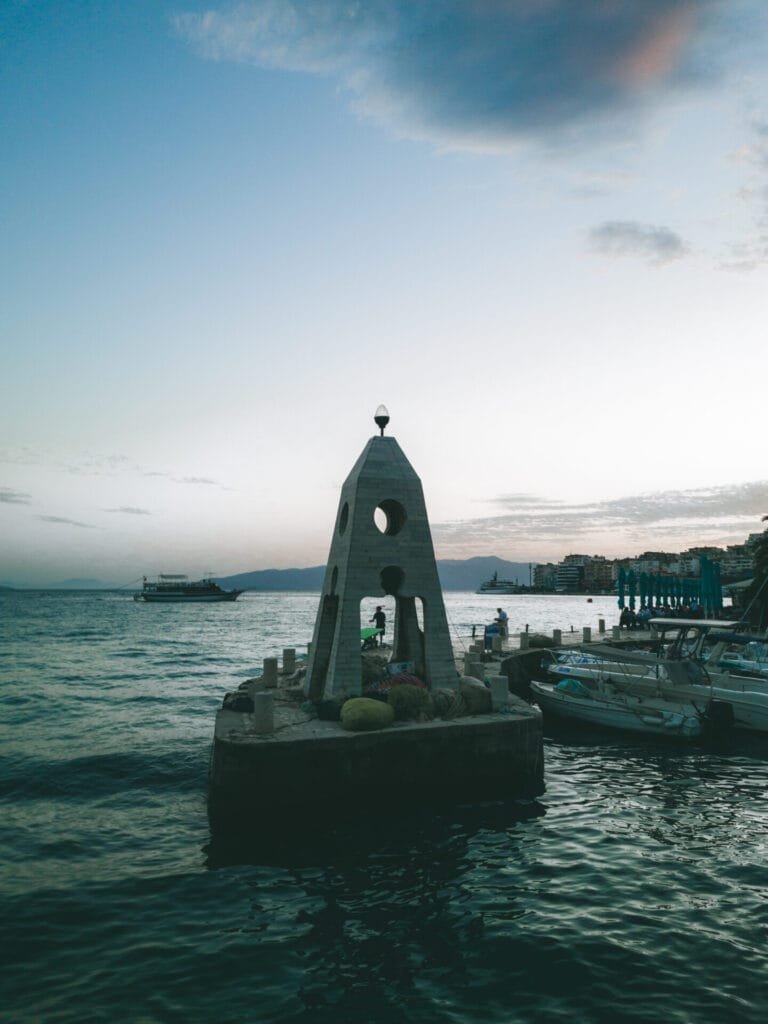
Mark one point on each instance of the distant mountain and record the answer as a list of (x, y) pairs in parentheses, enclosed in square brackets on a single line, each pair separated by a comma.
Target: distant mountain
[(275, 579), (455, 574), (469, 573), (80, 584)]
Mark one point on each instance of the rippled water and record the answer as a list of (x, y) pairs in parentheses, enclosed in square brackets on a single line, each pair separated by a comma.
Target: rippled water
[(635, 889)]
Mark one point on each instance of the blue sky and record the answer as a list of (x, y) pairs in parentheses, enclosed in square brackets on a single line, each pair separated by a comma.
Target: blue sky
[(537, 231)]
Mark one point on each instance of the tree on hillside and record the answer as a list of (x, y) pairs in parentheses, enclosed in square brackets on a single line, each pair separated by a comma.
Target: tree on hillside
[(756, 595)]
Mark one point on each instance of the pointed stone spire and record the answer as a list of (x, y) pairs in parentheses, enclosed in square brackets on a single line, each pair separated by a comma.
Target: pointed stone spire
[(368, 561)]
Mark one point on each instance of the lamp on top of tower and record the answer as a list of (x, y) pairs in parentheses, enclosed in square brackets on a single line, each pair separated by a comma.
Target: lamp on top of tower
[(381, 419)]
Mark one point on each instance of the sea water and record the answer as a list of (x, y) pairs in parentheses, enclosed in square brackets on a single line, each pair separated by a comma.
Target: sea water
[(635, 889)]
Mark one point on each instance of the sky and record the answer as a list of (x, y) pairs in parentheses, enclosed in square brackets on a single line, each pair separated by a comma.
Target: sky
[(536, 230)]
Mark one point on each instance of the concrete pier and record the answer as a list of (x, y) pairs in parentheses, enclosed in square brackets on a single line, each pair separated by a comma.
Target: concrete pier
[(434, 735), (318, 766)]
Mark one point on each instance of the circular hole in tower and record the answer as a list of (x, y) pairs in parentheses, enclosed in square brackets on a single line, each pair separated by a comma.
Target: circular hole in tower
[(343, 517), (389, 517)]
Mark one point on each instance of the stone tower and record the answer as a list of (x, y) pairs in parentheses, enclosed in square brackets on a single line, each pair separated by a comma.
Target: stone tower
[(366, 561)]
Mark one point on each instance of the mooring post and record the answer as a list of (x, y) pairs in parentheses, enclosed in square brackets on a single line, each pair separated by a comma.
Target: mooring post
[(289, 660), (470, 659), (601, 625), (586, 635), (499, 692), (263, 712), (557, 636), (270, 672)]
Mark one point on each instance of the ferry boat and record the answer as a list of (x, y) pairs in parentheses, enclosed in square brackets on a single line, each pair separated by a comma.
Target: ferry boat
[(172, 587), (496, 586)]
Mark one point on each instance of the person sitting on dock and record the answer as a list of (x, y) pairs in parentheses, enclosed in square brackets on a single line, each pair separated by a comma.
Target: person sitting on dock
[(379, 619), (644, 616), (628, 619), (502, 621)]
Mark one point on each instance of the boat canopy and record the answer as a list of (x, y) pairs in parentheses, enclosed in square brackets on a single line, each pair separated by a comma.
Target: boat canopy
[(690, 623)]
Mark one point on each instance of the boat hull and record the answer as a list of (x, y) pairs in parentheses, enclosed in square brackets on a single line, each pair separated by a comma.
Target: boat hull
[(747, 696), (621, 711), (232, 595)]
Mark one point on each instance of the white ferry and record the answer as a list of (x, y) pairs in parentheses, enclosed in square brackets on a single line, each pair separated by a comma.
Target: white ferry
[(171, 587), (496, 586)]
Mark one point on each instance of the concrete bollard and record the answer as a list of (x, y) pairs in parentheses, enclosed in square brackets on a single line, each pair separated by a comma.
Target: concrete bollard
[(601, 625), (499, 692), (616, 632), (309, 649), (478, 671), (470, 660), (496, 644), (289, 660), (263, 712), (525, 641), (557, 636), (270, 672), (586, 635)]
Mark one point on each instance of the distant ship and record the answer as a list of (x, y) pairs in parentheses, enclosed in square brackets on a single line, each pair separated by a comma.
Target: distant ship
[(496, 586), (168, 588)]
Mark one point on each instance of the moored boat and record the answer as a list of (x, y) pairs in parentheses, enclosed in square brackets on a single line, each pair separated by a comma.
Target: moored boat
[(178, 588), (605, 705), (689, 667)]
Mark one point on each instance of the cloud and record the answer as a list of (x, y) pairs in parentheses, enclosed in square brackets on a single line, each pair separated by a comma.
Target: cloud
[(726, 513), (62, 520), (656, 245), (751, 253), (478, 71), (90, 464), (10, 497), (130, 511)]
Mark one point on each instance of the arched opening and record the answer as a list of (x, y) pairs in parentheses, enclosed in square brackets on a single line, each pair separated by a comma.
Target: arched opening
[(377, 618)]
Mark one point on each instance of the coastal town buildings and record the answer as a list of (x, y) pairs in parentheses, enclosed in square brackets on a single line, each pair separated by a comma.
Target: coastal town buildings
[(596, 574)]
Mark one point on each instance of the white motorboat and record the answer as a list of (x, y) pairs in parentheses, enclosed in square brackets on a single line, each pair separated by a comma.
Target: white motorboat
[(602, 703), (690, 667)]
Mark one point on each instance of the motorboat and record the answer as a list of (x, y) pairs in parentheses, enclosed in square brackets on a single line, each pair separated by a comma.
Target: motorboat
[(170, 587), (605, 704), (690, 665)]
